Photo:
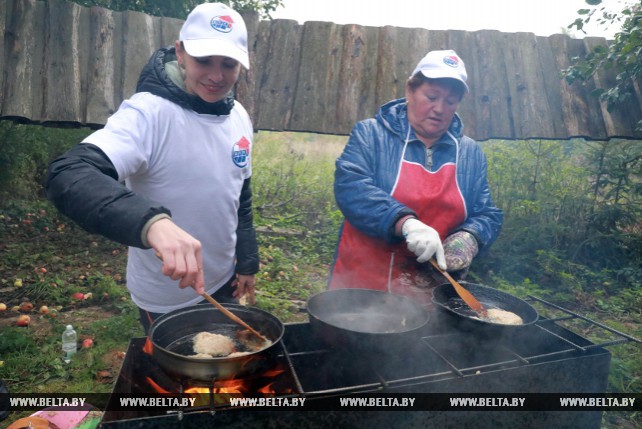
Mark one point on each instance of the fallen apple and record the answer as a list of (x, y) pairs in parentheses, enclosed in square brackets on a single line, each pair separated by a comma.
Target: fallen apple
[(44, 310), (23, 320), (17, 283), (78, 296), (104, 375), (3, 306), (87, 343), (15, 309), (26, 307)]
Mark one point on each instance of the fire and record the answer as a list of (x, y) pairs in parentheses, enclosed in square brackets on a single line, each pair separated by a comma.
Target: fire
[(273, 372), (220, 395), (200, 394), (155, 386), (267, 389), (221, 391), (236, 385), (148, 347)]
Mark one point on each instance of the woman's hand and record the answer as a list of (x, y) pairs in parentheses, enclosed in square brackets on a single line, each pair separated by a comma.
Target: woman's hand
[(459, 250), (245, 285), (180, 253), (423, 241)]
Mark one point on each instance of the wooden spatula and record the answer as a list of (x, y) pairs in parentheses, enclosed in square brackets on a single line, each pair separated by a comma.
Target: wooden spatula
[(468, 298), (225, 311), (232, 316)]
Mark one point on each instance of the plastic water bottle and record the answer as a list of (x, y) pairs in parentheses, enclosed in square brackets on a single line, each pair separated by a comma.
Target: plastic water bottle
[(69, 343)]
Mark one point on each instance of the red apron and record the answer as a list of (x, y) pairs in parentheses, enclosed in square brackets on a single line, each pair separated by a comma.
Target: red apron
[(368, 263)]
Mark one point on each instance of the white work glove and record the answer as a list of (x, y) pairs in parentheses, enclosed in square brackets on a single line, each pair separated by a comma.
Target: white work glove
[(423, 241)]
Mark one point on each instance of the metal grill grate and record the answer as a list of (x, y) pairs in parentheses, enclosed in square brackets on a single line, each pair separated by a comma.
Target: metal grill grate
[(544, 357)]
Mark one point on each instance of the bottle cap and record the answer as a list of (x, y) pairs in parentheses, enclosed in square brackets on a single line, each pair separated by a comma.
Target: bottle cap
[(70, 327)]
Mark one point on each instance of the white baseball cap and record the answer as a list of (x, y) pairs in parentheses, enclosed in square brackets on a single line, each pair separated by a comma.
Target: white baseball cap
[(215, 29), (442, 64)]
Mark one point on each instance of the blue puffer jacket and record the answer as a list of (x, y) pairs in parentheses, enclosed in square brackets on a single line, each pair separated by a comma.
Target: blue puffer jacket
[(367, 169)]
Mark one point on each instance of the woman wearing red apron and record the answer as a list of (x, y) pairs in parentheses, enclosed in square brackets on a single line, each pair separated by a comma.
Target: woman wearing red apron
[(411, 187)]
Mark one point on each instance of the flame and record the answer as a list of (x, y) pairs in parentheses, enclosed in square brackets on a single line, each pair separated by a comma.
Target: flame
[(220, 391), (197, 390), (273, 372), (267, 389), (155, 386), (236, 385), (148, 347), (202, 397)]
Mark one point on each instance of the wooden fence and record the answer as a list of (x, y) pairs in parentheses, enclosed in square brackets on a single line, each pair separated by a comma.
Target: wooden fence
[(64, 64)]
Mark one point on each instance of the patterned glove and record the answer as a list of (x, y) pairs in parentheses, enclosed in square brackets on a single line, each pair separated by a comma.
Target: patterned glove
[(459, 249)]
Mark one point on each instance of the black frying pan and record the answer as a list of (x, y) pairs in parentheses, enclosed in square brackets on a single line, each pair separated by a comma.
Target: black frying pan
[(456, 312), (364, 318), (172, 334)]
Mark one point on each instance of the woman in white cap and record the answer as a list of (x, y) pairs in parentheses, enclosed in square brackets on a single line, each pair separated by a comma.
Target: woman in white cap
[(412, 187), (182, 145)]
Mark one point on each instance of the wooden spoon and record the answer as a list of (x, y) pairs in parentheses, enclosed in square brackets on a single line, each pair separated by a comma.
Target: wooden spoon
[(225, 311), (232, 316), (468, 298)]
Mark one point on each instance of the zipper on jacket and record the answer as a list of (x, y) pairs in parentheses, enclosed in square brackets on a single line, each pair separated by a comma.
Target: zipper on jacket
[(428, 151)]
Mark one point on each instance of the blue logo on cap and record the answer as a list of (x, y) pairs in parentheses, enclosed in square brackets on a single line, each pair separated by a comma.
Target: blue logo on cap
[(451, 61), (222, 23)]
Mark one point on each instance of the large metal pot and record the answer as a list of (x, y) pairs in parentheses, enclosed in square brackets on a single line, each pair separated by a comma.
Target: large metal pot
[(171, 336), (454, 311), (364, 319)]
